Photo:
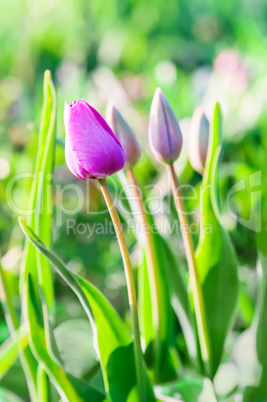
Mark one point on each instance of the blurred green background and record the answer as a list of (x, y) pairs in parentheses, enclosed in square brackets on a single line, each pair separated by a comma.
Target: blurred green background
[(197, 52)]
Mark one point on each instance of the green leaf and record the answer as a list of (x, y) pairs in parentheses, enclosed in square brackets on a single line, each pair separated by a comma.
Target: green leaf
[(226, 379), (163, 325), (165, 320), (8, 396), (9, 350), (115, 347), (164, 369), (112, 332), (15, 376), (7, 300), (69, 387), (257, 389), (27, 360), (40, 202), (156, 323), (73, 338), (123, 382), (188, 389), (145, 304), (180, 301), (42, 385), (40, 207), (245, 358), (109, 330), (216, 259)]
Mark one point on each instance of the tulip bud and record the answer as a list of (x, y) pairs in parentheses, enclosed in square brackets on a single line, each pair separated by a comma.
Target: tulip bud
[(92, 150), (198, 140), (165, 137), (125, 135)]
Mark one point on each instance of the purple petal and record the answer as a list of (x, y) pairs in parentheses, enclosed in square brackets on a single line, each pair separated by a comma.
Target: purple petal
[(90, 142), (165, 136), (125, 135), (73, 163)]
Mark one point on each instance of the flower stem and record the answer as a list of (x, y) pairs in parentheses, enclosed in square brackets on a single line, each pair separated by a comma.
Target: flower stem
[(193, 272), (154, 275), (140, 373)]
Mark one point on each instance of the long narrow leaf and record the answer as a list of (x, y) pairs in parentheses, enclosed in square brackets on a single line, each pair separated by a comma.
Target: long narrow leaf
[(28, 362), (256, 389), (216, 259), (8, 396), (165, 370), (180, 301), (40, 204), (110, 332), (186, 390), (42, 384), (9, 351), (69, 388), (156, 322)]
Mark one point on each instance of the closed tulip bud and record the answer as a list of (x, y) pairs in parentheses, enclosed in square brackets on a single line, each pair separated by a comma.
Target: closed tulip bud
[(125, 135), (92, 150), (165, 137), (198, 140)]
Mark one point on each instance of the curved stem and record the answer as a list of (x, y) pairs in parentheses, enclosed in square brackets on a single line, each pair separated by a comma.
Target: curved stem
[(141, 379), (153, 270), (193, 272)]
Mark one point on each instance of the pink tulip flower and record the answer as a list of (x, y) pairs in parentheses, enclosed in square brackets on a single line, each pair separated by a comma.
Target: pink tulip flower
[(92, 150)]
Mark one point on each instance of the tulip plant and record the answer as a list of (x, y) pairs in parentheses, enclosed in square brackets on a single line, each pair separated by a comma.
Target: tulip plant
[(196, 296)]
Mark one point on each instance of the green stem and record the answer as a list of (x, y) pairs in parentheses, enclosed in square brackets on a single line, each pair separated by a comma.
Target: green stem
[(193, 272), (141, 379), (153, 267), (13, 325)]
